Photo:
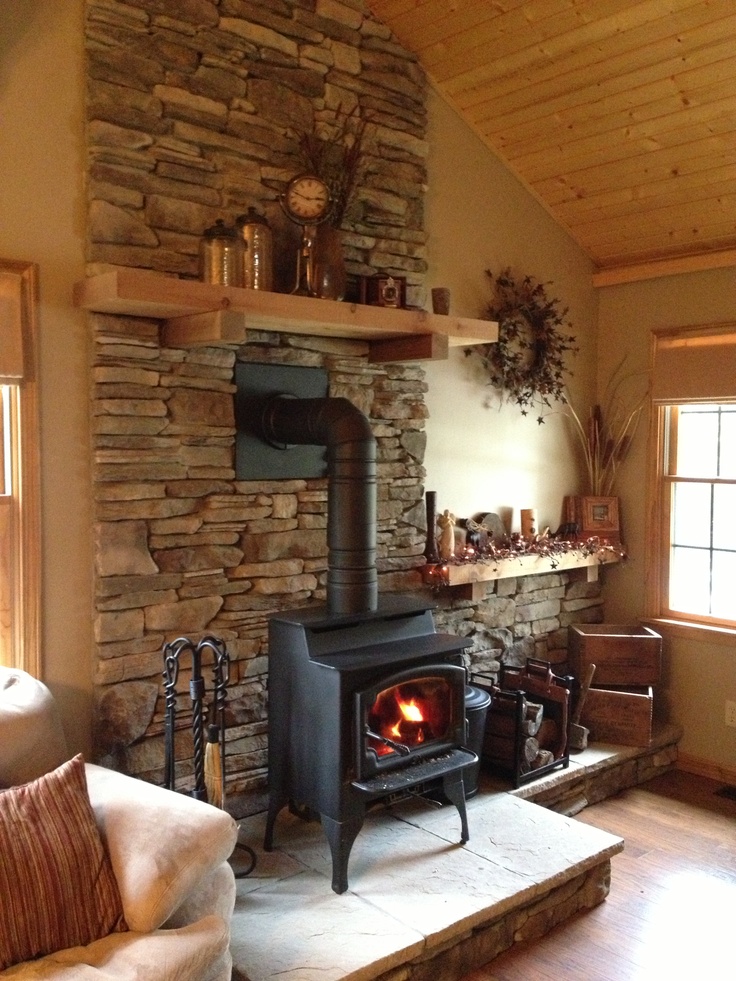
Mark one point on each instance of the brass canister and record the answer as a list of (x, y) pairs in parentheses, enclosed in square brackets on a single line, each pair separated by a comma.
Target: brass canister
[(221, 255), (257, 238)]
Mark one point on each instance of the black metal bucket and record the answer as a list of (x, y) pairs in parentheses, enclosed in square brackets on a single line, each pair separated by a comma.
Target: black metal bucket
[(477, 702)]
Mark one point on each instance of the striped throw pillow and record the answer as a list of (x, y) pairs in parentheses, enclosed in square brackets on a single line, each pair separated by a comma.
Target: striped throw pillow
[(56, 882)]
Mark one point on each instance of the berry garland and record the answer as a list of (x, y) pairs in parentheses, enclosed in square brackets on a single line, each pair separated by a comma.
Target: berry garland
[(517, 547), (527, 362)]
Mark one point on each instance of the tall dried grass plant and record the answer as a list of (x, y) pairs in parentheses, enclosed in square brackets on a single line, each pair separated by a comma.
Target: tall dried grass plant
[(607, 434)]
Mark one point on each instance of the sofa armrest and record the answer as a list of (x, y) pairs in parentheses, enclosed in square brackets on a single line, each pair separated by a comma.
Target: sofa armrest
[(214, 894), (31, 737), (161, 844)]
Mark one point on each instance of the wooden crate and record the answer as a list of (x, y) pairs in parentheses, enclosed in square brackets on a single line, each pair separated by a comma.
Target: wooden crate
[(623, 655), (619, 715)]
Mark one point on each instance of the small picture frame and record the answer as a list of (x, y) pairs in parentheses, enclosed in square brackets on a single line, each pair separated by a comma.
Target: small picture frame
[(383, 291), (599, 516)]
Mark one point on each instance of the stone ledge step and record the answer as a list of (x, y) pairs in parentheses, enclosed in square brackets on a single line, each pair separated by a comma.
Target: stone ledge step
[(600, 771)]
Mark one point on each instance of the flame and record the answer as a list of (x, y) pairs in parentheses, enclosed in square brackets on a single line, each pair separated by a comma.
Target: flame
[(400, 717), (411, 711)]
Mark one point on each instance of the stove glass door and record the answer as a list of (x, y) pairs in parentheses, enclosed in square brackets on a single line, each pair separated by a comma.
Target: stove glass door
[(415, 713)]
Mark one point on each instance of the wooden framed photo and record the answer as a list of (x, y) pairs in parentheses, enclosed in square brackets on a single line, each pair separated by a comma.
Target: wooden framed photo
[(599, 516)]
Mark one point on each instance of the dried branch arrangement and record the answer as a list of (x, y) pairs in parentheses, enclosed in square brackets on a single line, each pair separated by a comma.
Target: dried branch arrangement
[(606, 435), (336, 154)]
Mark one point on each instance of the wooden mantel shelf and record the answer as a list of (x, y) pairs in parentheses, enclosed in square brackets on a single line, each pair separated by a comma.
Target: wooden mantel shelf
[(472, 575), (195, 313)]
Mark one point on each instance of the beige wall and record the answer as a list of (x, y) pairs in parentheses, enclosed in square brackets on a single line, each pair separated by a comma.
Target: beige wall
[(41, 204), (699, 677), (479, 217)]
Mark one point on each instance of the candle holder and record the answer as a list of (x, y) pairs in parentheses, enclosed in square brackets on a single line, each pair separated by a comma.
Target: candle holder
[(430, 549)]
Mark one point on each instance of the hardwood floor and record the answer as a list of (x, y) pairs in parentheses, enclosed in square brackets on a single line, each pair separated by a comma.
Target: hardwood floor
[(670, 912)]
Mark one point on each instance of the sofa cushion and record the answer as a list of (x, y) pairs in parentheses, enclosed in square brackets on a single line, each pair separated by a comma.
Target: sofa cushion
[(197, 952), (31, 737), (162, 844), (56, 881)]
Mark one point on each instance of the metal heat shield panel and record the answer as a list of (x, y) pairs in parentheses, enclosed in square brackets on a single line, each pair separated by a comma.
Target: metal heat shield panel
[(255, 459)]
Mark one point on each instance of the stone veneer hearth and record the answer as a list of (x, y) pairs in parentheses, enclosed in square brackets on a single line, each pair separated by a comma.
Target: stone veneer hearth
[(193, 107)]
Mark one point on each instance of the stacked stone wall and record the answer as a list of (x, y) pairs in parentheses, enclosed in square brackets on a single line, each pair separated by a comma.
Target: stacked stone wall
[(195, 110)]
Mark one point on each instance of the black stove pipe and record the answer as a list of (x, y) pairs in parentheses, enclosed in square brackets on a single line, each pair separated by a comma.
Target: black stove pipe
[(352, 580)]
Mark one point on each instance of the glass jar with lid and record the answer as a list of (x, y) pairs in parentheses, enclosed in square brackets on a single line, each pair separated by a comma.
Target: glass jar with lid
[(257, 239), (221, 255)]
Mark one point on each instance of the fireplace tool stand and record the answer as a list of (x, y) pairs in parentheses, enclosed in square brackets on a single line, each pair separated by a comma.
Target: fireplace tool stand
[(214, 751)]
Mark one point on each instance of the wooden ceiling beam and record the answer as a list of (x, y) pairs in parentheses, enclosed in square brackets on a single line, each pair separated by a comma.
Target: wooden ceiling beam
[(676, 266)]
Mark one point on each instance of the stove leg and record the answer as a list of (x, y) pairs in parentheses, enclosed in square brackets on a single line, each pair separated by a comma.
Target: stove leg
[(454, 789), (275, 803), (340, 836)]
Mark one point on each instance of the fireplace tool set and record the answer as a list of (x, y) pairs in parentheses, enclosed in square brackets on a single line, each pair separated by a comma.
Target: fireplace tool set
[(209, 750)]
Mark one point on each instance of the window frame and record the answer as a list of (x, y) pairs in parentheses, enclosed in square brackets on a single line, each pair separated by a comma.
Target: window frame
[(22, 638)]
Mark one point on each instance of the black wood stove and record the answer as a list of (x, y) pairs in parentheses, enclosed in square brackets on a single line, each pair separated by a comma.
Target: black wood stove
[(366, 700), (363, 708)]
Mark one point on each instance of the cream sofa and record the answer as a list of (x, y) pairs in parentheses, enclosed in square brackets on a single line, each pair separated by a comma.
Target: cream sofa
[(168, 854)]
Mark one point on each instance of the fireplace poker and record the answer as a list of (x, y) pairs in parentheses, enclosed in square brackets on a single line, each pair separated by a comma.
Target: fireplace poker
[(400, 748)]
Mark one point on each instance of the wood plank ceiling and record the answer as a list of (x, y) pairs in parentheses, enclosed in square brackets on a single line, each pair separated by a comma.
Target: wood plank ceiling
[(618, 115)]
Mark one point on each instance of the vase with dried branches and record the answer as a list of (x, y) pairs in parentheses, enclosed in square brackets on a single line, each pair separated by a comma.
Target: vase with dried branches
[(334, 153), (605, 437)]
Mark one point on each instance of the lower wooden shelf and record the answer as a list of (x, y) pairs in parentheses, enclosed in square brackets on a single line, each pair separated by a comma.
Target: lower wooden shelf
[(469, 577)]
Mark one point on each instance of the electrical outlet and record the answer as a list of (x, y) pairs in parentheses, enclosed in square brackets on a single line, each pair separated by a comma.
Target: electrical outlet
[(731, 714)]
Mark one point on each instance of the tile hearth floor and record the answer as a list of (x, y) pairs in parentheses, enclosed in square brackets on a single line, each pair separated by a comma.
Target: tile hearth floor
[(413, 889)]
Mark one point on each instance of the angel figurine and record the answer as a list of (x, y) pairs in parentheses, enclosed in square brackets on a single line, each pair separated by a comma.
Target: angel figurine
[(446, 521)]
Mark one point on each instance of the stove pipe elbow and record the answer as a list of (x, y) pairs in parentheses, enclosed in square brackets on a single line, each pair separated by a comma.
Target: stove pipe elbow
[(352, 580)]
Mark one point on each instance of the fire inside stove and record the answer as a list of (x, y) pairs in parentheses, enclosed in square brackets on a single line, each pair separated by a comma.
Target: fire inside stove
[(409, 715)]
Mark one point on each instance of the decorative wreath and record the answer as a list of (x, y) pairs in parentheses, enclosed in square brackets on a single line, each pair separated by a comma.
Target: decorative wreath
[(527, 362)]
